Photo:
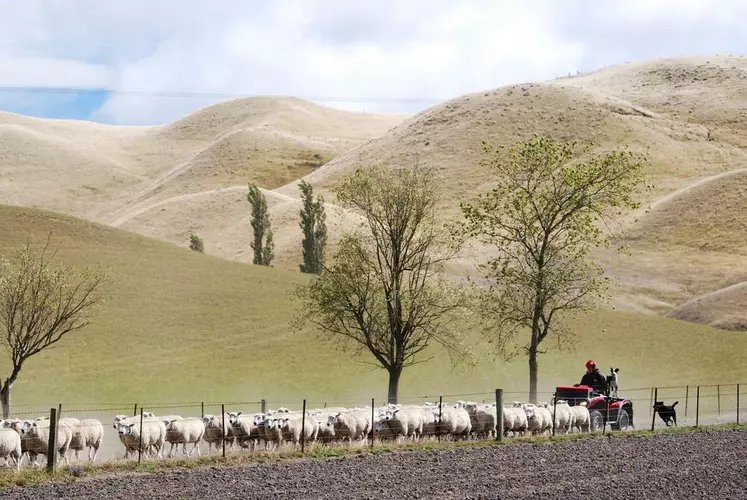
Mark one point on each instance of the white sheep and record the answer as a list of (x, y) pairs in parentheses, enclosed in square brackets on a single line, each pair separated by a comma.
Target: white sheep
[(130, 447), (185, 431), (10, 446), (244, 429), (16, 425), (353, 425), (90, 434), (73, 423), (563, 416), (483, 418), (170, 438), (405, 422), (129, 444), (581, 418), (215, 433), (326, 432), (539, 419), (153, 432), (291, 426), (514, 421), (453, 421), (36, 432), (268, 429)]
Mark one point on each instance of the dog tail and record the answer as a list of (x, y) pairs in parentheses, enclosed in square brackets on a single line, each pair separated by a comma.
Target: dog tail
[(674, 404)]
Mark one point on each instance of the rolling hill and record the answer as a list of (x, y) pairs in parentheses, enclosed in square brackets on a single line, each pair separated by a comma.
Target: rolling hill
[(182, 328), (165, 182), (104, 173)]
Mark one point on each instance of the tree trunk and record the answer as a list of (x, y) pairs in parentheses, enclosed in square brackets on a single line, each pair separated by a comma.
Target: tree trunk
[(394, 374), (5, 399), (533, 369)]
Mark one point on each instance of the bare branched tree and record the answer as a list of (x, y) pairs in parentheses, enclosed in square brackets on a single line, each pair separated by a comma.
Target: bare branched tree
[(383, 294), (40, 305)]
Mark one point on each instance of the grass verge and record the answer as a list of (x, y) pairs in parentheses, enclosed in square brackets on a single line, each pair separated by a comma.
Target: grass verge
[(28, 477)]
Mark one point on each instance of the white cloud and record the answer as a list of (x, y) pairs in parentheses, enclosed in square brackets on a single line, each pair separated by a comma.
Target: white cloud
[(39, 72), (387, 49), (409, 49)]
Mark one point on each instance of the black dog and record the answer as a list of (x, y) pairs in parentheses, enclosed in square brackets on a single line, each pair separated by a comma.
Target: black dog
[(667, 413)]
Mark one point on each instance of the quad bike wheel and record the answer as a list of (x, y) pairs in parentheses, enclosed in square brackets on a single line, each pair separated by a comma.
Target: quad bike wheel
[(596, 420), (623, 421)]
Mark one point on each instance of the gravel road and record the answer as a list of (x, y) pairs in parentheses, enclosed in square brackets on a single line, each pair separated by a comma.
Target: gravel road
[(704, 464)]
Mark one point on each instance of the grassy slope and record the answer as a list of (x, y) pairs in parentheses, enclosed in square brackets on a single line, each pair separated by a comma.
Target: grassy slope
[(184, 327)]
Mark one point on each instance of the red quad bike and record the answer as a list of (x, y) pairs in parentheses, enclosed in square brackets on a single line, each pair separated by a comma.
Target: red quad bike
[(617, 412)]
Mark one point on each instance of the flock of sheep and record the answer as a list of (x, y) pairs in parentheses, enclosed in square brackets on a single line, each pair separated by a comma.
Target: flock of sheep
[(269, 430)]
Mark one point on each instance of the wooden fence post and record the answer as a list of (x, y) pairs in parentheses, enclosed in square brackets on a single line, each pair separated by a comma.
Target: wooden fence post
[(651, 404), (59, 416), (697, 406), (718, 397), (606, 416), (438, 427), (140, 439), (134, 412), (52, 445), (303, 425), (737, 404), (202, 409), (653, 413), (373, 422), (225, 431), (687, 397), (499, 415), (554, 411)]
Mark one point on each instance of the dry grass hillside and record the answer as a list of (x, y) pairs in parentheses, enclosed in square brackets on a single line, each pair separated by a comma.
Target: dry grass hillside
[(689, 113), (108, 173)]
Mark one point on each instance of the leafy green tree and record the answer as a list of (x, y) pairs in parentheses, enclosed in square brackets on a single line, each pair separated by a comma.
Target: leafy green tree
[(314, 228), (543, 217), (262, 243), (40, 304), (384, 293)]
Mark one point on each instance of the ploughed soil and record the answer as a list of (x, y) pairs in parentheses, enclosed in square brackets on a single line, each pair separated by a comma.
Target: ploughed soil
[(705, 464)]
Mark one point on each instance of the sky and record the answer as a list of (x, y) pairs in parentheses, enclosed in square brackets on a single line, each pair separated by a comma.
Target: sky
[(386, 56)]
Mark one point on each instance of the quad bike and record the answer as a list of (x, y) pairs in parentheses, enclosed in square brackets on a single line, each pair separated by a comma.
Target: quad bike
[(615, 411)]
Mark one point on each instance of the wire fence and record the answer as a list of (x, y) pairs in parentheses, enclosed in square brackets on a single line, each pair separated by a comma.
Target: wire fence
[(120, 431)]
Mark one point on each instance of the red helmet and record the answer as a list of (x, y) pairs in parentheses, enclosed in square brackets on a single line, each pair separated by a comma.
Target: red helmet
[(591, 364)]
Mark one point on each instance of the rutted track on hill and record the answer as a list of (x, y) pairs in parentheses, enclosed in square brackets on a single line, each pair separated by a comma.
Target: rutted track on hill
[(702, 464)]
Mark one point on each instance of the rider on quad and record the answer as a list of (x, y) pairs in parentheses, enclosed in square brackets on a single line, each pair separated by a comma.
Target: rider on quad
[(594, 378)]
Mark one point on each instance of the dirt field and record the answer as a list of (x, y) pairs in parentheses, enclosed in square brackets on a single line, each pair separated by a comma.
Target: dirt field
[(702, 464)]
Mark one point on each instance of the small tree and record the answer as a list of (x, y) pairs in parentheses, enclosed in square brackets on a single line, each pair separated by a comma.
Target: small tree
[(542, 217), (383, 293), (195, 243), (262, 243), (314, 229), (39, 306)]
